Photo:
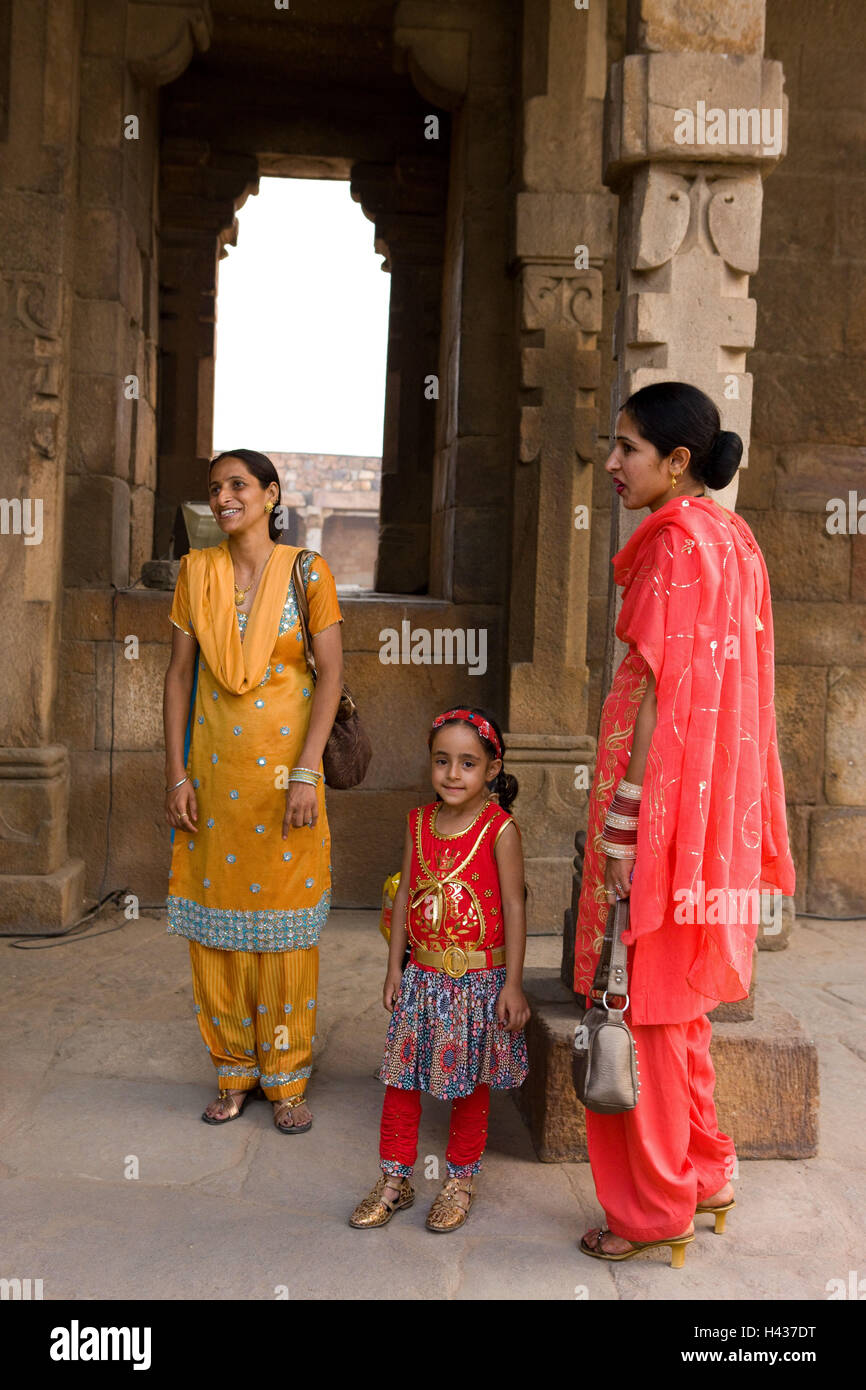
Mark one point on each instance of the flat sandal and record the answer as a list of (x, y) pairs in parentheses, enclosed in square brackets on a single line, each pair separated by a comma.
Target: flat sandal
[(235, 1110), (290, 1103), (446, 1213)]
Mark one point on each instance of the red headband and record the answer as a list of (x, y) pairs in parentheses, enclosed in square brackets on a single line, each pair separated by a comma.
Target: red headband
[(481, 726)]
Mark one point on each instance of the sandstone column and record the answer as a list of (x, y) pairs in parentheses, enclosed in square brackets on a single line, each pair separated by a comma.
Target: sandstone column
[(407, 203), (200, 191), (563, 233), (75, 270), (690, 209)]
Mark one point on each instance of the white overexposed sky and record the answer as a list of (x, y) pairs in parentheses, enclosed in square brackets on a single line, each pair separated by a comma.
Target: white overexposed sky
[(302, 325)]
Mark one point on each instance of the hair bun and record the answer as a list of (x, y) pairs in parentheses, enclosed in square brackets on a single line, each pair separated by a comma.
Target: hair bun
[(724, 459)]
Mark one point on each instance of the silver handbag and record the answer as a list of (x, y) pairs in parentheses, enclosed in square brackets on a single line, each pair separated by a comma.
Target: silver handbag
[(604, 1061)]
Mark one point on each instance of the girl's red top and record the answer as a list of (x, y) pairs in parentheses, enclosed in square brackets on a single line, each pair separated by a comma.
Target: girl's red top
[(454, 895)]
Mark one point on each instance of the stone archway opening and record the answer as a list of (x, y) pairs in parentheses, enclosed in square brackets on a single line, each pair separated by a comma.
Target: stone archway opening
[(302, 325)]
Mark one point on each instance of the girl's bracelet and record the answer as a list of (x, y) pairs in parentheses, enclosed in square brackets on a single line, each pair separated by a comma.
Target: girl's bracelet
[(178, 784)]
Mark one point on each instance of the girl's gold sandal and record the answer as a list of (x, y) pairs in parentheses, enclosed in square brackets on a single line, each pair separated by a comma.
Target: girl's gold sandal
[(377, 1210), (446, 1213)]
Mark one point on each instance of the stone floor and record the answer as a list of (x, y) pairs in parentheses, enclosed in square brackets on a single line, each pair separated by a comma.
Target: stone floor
[(102, 1063)]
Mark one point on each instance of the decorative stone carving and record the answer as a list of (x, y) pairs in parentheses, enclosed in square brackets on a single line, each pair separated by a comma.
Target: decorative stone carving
[(436, 57), (162, 38)]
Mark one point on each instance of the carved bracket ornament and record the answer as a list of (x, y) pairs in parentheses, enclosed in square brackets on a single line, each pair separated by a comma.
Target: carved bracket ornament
[(161, 38), (435, 57)]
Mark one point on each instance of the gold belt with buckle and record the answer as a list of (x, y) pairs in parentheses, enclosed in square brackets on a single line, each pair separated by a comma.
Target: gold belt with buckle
[(455, 961)]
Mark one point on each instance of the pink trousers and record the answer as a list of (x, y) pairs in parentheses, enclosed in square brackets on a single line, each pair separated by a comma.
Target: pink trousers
[(653, 1164)]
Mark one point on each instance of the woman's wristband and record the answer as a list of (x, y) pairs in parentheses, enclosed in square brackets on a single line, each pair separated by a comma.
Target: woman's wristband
[(178, 784)]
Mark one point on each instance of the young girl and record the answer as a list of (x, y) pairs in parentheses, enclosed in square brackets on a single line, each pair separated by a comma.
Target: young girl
[(457, 1014)]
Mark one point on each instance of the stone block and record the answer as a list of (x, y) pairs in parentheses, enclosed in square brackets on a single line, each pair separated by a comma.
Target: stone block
[(30, 233), (140, 841), (31, 903), (87, 614), (757, 483), (820, 634), (34, 802), (811, 382), (766, 1080), (478, 574), (100, 176), (844, 768), (809, 475), (798, 832), (141, 523), (99, 425), (96, 532), (858, 568), (76, 694), (367, 833), (98, 253), (137, 694), (98, 335), (101, 105), (799, 213), (775, 935), (738, 1010), (800, 708), (781, 319), (730, 28), (837, 862), (104, 27)]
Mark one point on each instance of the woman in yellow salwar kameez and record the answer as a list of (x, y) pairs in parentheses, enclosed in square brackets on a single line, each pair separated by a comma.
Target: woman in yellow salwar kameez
[(250, 879)]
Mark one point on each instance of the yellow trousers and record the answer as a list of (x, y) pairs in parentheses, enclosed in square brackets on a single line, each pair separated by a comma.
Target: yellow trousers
[(257, 1015)]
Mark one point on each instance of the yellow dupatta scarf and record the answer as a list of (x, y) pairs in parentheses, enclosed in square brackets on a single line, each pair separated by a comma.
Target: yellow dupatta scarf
[(237, 666)]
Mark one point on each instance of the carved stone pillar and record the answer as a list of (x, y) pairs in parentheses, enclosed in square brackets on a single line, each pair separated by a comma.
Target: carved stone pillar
[(74, 291), (690, 209), (561, 207), (407, 203), (200, 191), (688, 239), (461, 60)]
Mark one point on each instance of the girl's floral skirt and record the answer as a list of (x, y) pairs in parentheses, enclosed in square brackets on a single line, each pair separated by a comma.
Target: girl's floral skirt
[(444, 1037)]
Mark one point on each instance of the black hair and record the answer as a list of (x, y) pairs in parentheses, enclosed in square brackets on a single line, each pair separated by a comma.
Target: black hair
[(504, 785), (261, 468), (671, 414)]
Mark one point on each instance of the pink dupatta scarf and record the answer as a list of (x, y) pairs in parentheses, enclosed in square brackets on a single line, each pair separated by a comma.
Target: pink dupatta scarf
[(696, 604)]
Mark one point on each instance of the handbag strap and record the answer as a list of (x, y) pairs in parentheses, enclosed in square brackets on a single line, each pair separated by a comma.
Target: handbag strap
[(303, 607), (611, 974)]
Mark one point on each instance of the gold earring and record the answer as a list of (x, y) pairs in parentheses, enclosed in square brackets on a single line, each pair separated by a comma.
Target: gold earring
[(269, 507), (674, 479)]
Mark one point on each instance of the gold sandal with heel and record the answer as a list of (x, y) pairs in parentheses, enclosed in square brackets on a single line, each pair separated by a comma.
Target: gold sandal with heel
[(718, 1212), (677, 1244)]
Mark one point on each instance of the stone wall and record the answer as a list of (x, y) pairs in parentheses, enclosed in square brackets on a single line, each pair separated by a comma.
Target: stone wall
[(110, 711), (809, 425)]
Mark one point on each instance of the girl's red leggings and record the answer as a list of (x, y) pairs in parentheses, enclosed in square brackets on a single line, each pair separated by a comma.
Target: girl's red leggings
[(398, 1134)]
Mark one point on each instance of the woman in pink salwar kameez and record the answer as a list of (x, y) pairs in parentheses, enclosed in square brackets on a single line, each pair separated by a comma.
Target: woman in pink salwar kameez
[(687, 749)]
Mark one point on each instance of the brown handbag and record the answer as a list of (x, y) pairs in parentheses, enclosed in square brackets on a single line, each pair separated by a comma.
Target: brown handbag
[(348, 750)]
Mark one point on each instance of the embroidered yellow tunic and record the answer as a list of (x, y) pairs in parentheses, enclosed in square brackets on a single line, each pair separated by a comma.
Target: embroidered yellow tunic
[(237, 884)]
